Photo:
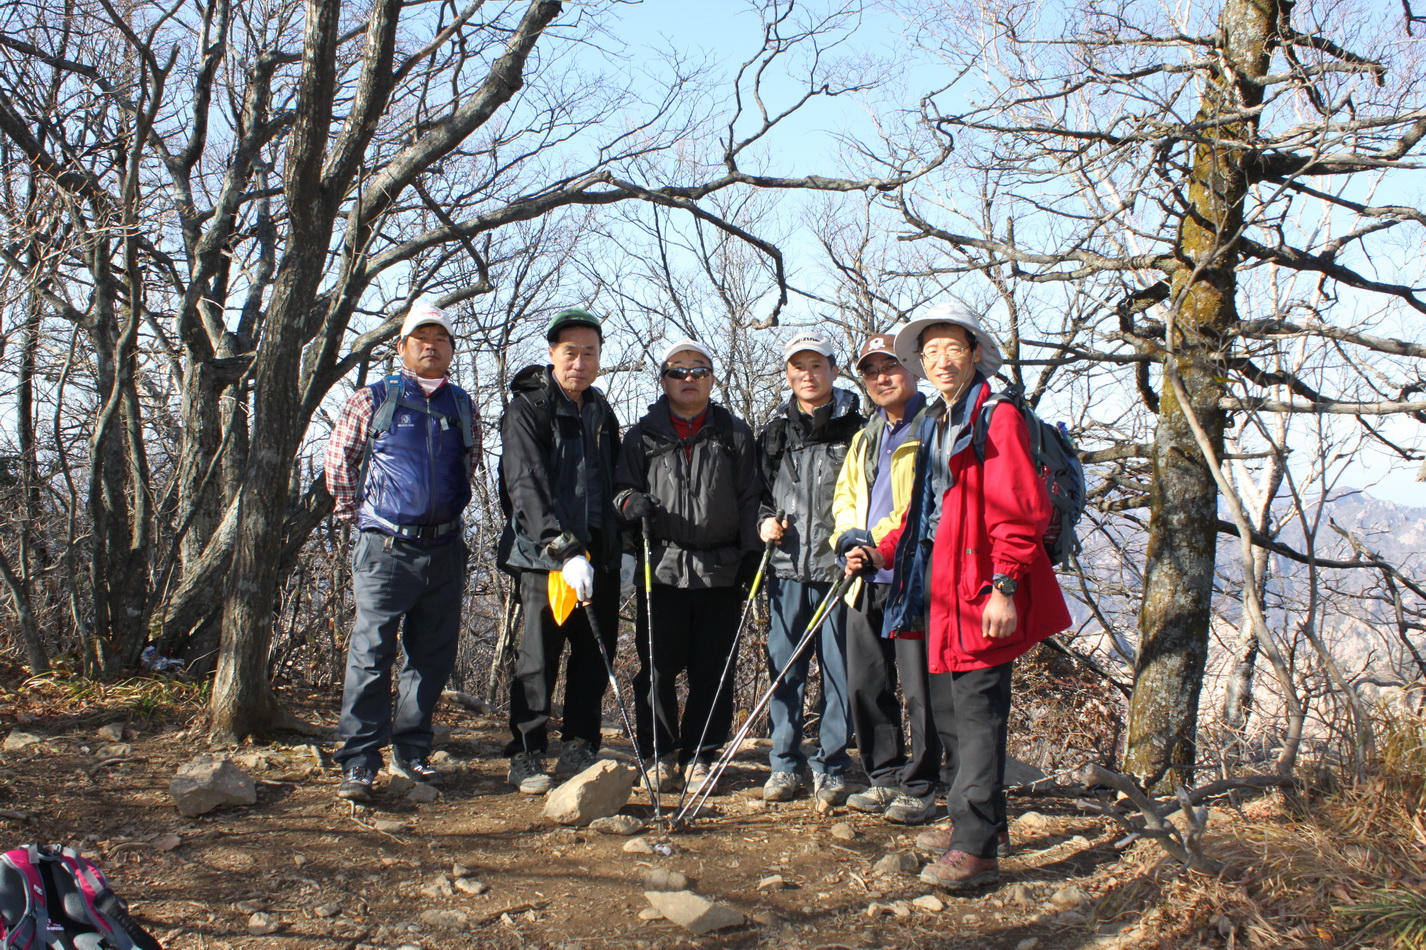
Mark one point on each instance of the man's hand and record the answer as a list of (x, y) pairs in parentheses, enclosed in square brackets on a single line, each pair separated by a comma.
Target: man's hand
[(863, 558), (999, 619), (579, 574), (772, 530), (638, 505)]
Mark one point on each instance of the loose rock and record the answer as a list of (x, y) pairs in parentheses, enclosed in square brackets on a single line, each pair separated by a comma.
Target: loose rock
[(18, 740), (1032, 821), (114, 750), (1018, 894), (469, 885), (389, 825), (617, 825), (327, 910), (599, 791), (649, 913), (638, 846), (772, 882), (399, 785), (440, 887), (1021, 773), (896, 863), (662, 879), (1029, 943), (901, 909), (930, 903), (1067, 897), (843, 831), (261, 924), (444, 919), (111, 732), (423, 794), (207, 782), (692, 912)]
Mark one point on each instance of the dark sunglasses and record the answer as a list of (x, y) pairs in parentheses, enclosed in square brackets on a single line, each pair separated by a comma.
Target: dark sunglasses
[(688, 372)]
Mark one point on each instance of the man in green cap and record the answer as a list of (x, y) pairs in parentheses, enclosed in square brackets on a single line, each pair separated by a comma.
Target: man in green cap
[(560, 439)]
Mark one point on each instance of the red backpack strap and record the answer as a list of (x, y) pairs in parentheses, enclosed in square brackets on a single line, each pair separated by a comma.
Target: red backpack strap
[(24, 929)]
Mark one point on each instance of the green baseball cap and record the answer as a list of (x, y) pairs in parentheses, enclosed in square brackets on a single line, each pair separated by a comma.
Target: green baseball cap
[(573, 317)]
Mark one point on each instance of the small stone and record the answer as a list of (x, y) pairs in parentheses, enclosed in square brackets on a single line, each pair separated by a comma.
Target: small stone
[(206, 782), (773, 882), (469, 885), (261, 924), (1032, 821), (874, 910), (901, 909), (843, 831), (693, 912), (755, 806), (930, 903), (624, 825), (399, 785), (1029, 943), (823, 808), (1080, 841), (444, 919), (250, 907), (327, 910), (423, 794), (662, 879), (111, 732), (442, 759), (18, 740), (389, 825), (460, 870), (166, 843), (898, 862), (1019, 894), (440, 887), (638, 846), (299, 860), (1067, 897), (649, 913), (1070, 918)]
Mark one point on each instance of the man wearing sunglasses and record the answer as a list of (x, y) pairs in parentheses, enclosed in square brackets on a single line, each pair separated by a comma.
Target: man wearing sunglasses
[(688, 470), (872, 491)]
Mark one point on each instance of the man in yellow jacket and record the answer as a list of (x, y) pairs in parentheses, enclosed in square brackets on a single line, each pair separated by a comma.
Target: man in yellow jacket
[(873, 488)]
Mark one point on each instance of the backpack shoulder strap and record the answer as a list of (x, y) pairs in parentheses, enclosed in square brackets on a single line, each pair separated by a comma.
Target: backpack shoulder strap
[(32, 926), (386, 394), (980, 429)]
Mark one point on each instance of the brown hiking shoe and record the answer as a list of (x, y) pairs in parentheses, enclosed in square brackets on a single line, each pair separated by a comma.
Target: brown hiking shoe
[(956, 870), (939, 839)]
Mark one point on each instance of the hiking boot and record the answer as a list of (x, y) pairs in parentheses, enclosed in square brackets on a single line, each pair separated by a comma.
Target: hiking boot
[(939, 839), (874, 800), (698, 773), (527, 773), (784, 786), (665, 775), (957, 870), (356, 784), (831, 789), (418, 769), (910, 810), (576, 755)]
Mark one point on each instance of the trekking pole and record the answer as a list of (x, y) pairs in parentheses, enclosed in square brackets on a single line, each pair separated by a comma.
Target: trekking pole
[(823, 611), (656, 792), (614, 682), (733, 650)]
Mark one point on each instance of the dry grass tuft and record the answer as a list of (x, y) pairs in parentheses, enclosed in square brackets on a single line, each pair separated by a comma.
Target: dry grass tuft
[(82, 701)]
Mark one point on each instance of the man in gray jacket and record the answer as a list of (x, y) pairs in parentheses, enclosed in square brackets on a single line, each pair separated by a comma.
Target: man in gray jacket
[(801, 449), (688, 470)]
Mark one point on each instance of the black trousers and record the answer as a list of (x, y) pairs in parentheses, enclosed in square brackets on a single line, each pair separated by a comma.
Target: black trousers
[(972, 712), (542, 645), (874, 664), (693, 633)]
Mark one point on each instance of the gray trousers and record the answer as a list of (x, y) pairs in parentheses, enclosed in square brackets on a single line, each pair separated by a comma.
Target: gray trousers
[(415, 591), (874, 664)]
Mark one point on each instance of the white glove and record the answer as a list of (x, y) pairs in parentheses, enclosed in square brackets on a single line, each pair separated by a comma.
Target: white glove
[(579, 574)]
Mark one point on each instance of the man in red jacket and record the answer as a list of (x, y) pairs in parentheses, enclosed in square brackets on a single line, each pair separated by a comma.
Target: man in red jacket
[(985, 593)]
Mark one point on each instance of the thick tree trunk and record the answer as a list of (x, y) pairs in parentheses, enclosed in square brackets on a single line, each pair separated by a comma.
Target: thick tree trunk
[(1183, 499)]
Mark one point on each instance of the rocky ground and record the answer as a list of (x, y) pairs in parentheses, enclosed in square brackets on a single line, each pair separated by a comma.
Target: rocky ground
[(480, 866)]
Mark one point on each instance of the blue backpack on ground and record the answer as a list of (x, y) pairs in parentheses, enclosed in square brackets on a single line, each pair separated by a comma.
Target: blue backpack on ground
[(52, 897), (1056, 459)]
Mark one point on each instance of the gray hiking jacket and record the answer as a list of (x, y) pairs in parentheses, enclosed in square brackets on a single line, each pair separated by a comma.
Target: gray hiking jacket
[(800, 457)]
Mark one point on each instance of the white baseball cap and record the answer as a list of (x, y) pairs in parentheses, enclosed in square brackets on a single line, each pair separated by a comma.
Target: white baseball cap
[(673, 349), (422, 314), (813, 342)]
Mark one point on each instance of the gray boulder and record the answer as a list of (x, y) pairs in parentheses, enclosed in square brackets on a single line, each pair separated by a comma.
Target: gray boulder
[(207, 782)]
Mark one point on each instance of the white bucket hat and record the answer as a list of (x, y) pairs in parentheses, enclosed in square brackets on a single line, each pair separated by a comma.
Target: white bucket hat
[(957, 312)]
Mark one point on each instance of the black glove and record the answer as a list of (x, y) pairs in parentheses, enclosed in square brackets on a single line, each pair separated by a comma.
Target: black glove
[(638, 505), (854, 538)]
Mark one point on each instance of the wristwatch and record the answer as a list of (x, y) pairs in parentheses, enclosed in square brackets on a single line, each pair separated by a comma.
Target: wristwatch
[(1006, 584)]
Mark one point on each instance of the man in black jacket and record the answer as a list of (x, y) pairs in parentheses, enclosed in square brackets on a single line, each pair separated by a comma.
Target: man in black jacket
[(560, 439), (801, 450), (690, 468)]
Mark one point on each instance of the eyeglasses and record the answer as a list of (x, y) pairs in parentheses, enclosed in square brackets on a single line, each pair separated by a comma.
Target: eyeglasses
[(951, 351), (881, 369), (688, 372)]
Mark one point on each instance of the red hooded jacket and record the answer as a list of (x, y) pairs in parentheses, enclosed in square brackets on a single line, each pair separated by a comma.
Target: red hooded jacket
[(993, 520)]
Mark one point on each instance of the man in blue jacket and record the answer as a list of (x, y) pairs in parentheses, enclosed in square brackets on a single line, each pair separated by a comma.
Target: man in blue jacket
[(398, 465)]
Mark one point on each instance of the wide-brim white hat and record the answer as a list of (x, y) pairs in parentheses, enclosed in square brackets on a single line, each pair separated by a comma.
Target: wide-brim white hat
[(954, 311)]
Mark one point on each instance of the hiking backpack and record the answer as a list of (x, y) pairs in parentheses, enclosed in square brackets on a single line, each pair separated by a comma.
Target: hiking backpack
[(1056, 459), (52, 897)]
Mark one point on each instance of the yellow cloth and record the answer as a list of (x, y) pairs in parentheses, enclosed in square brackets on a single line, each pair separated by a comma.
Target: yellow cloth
[(561, 596)]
